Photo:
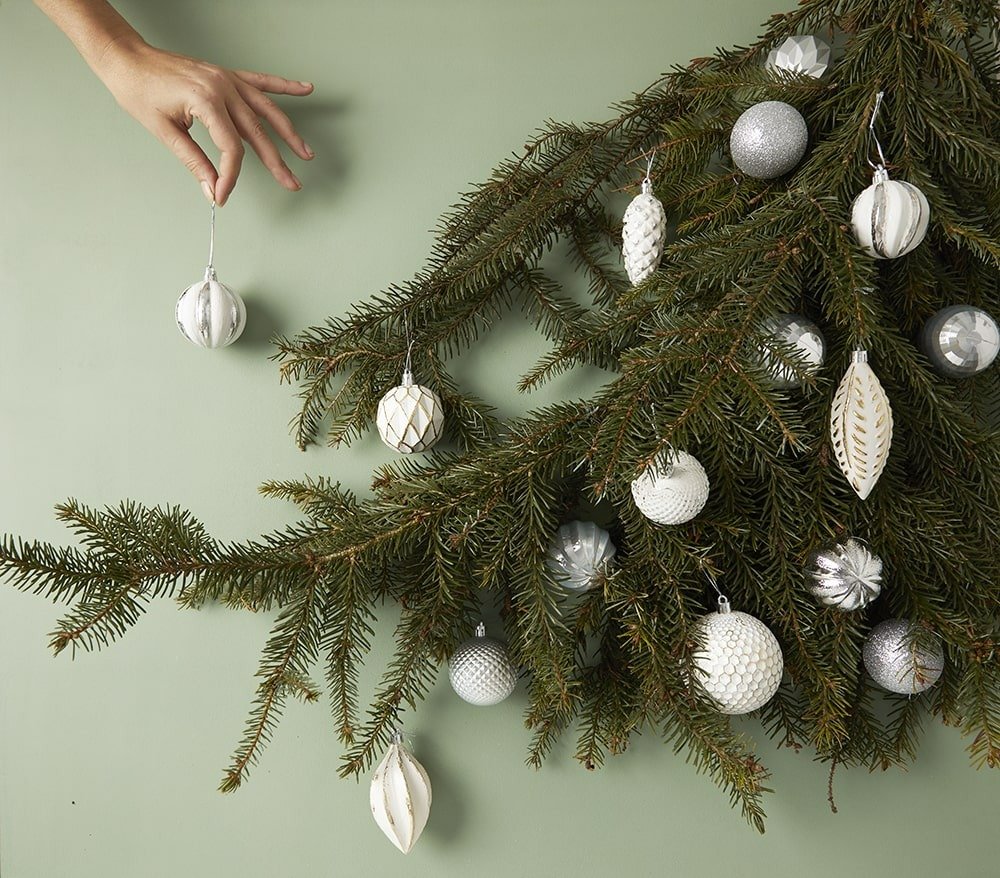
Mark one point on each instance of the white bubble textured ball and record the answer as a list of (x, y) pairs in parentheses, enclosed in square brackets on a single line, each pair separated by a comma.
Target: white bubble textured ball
[(898, 663), (739, 665), (480, 670), (671, 490), (580, 551), (768, 140), (410, 417), (210, 314)]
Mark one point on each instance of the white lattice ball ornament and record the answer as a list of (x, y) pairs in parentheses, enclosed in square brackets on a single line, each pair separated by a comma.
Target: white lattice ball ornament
[(644, 230), (900, 662), (210, 314), (890, 217), (738, 664), (805, 54), (579, 554), (673, 489), (481, 671), (410, 417), (400, 796)]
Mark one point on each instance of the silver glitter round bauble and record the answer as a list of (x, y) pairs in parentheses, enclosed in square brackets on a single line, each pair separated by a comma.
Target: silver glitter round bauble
[(890, 217), (961, 340), (804, 335), (672, 489), (846, 575), (768, 140), (410, 417), (480, 670), (806, 54), (739, 662), (899, 663), (210, 314), (579, 553)]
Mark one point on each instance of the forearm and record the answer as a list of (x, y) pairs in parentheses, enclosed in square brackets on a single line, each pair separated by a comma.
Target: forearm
[(93, 26)]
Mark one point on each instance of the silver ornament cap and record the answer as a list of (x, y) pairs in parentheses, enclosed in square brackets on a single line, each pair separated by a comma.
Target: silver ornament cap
[(961, 340), (580, 552), (768, 140), (898, 662), (481, 671), (806, 54), (845, 576)]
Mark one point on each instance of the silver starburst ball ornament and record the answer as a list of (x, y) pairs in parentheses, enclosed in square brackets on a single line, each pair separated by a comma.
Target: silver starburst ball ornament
[(961, 340), (580, 552), (845, 576), (480, 670), (768, 140), (739, 662), (898, 662), (210, 314), (410, 417), (806, 54), (672, 489), (400, 795), (890, 217), (809, 344), (644, 230)]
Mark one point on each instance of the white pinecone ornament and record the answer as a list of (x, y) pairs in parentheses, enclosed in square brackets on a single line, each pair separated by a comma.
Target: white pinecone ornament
[(672, 489), (644, 231), (410, 417), (400, 795)]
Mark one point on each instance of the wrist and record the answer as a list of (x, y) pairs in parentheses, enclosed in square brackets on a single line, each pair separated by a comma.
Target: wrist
[(116, 48)]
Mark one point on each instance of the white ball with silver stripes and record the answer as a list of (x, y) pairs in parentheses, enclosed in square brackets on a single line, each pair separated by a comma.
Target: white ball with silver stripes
[(961, 340), (768, 140), (890, 217), (899, 660), (481, 671), (580, 553), (810, 348), (845, 576), (210, 314)]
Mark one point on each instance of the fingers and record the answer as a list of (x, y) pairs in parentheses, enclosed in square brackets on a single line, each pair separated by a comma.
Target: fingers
[(221, 129), (263, 106), (177, 139), (251, 128), (277, 85)]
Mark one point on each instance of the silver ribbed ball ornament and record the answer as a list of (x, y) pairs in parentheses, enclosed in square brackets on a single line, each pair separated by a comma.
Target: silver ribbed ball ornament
[(809, 344), (845, 575), (481, 671), (961, 340), (672, 489), (768, 140), (210, 314), (899, 663), (739, 662), (804, 54), (410, 417), (579, 554)]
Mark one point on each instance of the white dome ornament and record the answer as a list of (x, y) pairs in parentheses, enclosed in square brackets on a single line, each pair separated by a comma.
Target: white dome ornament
[(480, 670), (579, 554), (400, 795), (673, 489), (644, 231), (805, 54), (208, 313), (410, 417)]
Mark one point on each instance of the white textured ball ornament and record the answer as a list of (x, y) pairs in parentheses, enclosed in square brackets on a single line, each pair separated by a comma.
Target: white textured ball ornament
[(805, 54), (805, 337), (410, 417), (890, 217), (644, 230), (480, 670), (739, 663), (400, 796), (672, 489), (580, 552), (210, 314), (897, 662), (961, 340), (768, 140), (845, 576)]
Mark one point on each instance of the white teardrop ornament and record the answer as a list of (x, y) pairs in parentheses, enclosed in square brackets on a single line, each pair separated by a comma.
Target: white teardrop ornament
[(400, 796)]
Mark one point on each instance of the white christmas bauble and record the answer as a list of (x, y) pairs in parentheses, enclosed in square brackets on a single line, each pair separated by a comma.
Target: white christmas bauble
[(768, 140), (210, 314), (579, 553), (961, 340), (644, 230), (480, 670), (672, 489), (800, 54), (410, 417), (400, 796), (897, 662), (804, 335), (890, 217), (739, 662)]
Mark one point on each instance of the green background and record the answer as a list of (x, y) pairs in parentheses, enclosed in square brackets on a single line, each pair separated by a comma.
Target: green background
[(109, 763)]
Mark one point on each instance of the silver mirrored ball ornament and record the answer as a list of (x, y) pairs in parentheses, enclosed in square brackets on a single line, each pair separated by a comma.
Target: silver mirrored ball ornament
[(845, 576), (768, 140), (580, 552), (900, 664), (961, 340)]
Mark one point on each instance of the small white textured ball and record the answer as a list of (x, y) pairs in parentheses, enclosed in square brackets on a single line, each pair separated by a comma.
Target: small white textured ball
[(580, 551), (768, 140), (739, 664), (480, 670), (898, 663), (800, 54), (410, 417), (644, 230), (890, 217), (400, 796), (210, 314), (672, 489)]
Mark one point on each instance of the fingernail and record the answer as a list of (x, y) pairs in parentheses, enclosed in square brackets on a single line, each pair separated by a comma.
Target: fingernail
[(308, 149), (209, 194), (298, 182), (305, 84)]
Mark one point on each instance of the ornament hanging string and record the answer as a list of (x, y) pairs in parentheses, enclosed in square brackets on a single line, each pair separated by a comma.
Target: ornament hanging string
[(647, 183), (211, 241), (874, 137), (408, 364), (723, 600)]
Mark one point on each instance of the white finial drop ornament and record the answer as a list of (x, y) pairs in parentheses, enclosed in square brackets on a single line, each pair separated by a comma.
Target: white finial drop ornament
[(208, 313), (861, 426), (400, 795), (805, 54), (644, 231), (481, 671), (673, 489), (410, 417), (580, 552)]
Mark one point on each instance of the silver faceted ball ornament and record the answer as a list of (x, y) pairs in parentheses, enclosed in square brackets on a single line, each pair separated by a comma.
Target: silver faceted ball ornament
[(481, 671), (768, 140), (210, 314), (809, 344), (580, 552), (739, 663), (845, 576), (410, 417), (890, 217), (961, 340), (673, 489), (806, 54), (899, 663)]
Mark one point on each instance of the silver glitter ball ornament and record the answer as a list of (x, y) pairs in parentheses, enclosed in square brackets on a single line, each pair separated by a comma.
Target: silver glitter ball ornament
[(210, 314), (739, 663), (961, 340), (480, 670), (672, 489), (410, 417), (890, 217), (804, 335), (845, 576), (768, 140), (806, 54), (579, 553), (897, 662)]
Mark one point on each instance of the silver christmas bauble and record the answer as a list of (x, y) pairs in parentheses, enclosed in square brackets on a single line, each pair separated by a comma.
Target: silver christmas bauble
[(806, 54), (410, 417), (210, 314), (794, 329), (480, 670), (672, 489), (846, 575), (644, 230), (890, 217), (898, 663), (579, 553), (768, 140), (961, 340), (739, 663)]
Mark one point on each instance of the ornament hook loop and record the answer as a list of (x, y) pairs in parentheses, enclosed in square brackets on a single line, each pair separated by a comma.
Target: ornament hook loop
[(397, 735), (481, 629), (211, 245), (879, 168)]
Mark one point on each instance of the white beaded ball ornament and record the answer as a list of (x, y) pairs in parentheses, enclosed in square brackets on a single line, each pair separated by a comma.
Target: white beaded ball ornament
[(673, 489), (410, 417), (579, 553), (898, 662), (210, 314), (739, 663), (890, 217), (480, 670)]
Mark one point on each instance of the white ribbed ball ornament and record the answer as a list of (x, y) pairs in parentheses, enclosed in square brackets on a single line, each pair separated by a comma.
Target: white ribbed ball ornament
[(890, 217), (580, 552), (410, 417), (400, 795), (644, 230), (673, 489), (210, 314), (739, 663), (481, 671)]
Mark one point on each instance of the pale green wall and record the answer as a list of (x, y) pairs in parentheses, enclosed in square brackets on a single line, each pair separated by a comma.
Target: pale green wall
[(108, 765)]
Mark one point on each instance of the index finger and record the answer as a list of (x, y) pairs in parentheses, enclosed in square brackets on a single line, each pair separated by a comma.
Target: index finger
[(224, 135), (276, 85)]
